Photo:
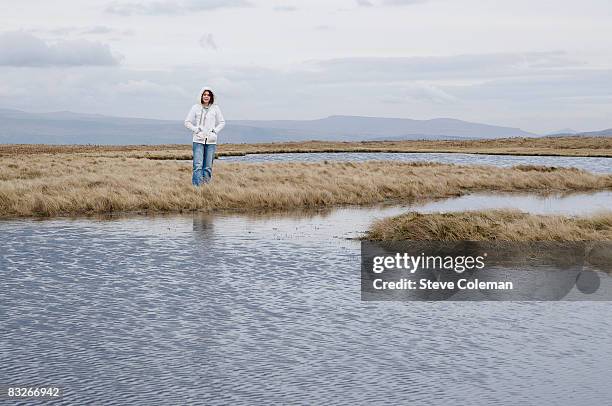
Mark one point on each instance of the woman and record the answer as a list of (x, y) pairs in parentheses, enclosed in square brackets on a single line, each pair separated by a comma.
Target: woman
[(205, 121)]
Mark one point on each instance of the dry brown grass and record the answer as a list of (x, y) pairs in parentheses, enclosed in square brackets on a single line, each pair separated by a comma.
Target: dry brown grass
[(27, 149), (492, 225), (58, 184), (553, 146)]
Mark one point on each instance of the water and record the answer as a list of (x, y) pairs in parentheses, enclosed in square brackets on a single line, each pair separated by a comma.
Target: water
[(250, 309), (599, 165), (554, 204)]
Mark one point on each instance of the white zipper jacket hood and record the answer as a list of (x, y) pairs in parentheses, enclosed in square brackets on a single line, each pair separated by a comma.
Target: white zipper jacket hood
[(205, 123)]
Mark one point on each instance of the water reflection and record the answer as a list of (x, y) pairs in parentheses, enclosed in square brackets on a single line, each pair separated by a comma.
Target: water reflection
[(553, 203), (203, 225)]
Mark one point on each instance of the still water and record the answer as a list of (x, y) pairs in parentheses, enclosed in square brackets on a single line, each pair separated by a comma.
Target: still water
[(252, 309), (600, 165)]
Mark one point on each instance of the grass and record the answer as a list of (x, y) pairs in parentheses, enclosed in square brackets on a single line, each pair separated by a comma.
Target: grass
[(491, 225), (86, 182), (549, 146)]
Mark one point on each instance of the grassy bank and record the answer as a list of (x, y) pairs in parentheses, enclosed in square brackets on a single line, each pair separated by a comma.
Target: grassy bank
[(551, 146), (492, 225), (58, 184)]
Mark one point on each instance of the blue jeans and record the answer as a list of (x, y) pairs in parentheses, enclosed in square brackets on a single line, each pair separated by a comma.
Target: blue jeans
[(203, 156)]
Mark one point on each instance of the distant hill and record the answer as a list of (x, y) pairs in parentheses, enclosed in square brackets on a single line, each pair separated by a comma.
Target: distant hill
[(66, 127), (563, 131), (357, 127), (602, 133)]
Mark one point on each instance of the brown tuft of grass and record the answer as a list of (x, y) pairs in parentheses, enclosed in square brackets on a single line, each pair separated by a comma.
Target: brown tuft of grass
[(59, 184), (491, 225), (541, 168)]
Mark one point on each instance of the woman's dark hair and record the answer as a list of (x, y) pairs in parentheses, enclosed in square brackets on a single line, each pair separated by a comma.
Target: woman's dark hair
[(212, 96)]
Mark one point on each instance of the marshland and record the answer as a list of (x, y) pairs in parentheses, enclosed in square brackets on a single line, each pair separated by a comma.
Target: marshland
[(579, 146), (66, 180), (267, 257), (124, 284)]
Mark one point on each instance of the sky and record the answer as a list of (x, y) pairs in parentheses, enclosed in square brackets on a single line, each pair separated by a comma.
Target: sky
[(538, 65)]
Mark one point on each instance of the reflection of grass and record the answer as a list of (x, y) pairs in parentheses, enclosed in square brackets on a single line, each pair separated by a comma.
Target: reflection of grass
[(72, 183), (555, 146), (490, 225)]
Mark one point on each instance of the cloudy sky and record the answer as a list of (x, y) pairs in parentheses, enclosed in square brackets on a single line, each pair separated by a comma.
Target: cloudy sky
[(540, 65)]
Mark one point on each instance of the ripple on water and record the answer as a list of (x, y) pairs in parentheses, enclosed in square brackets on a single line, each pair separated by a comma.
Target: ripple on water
[(591, 164), (246, 309)]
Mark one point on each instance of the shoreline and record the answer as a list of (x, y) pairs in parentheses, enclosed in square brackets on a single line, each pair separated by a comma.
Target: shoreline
[(570, 146), (287, 212)]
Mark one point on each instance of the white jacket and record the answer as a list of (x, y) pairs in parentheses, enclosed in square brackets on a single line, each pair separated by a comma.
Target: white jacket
[(205, 123)]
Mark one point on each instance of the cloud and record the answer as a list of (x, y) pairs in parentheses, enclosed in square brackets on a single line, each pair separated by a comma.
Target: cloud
[(147, 88), (23, 49), (368, 3), (402, 2), (172, 7), (98, 29), (429, 93), (207, 41), (112, 90), (103, 30), (285, 8), (63, 32), (539, 90), (587, 83), (452, 67)]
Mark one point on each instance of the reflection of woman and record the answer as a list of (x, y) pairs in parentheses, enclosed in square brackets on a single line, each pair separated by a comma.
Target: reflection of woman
[(205, 120)]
